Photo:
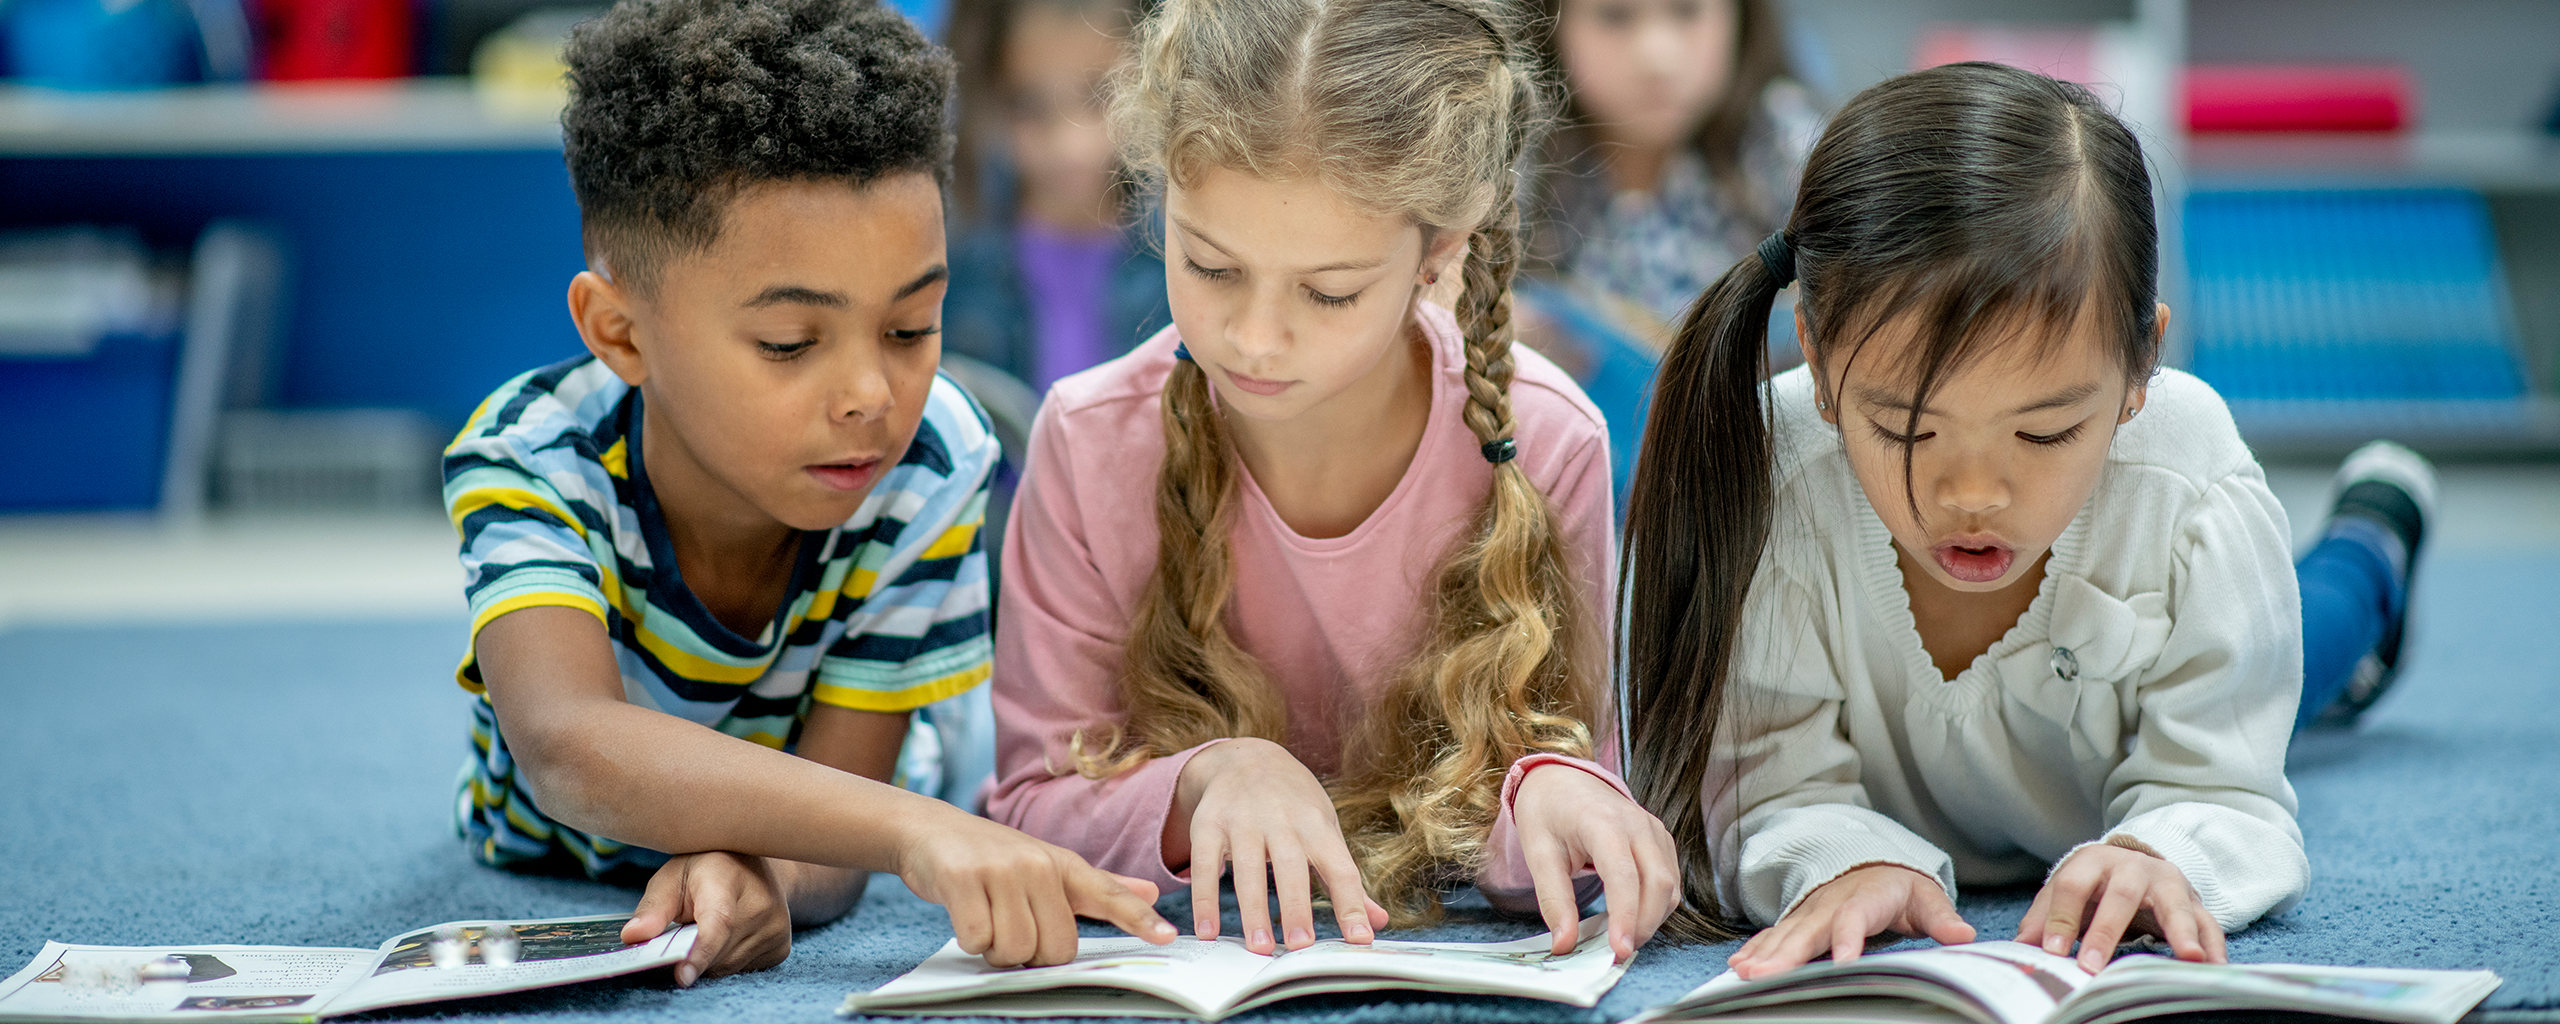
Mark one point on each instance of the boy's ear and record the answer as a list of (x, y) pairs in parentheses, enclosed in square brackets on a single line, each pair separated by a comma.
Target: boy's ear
[(605, 318)]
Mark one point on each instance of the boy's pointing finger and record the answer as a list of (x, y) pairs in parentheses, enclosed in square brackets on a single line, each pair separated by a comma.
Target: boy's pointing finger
[(1103, 896)]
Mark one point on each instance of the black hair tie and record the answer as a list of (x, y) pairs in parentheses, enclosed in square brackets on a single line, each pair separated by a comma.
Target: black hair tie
[(1499, 452), (1779, 255)]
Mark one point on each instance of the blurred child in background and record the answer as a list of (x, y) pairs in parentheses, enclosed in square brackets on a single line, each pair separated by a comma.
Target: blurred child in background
[(1682, 133), (1051, 272)]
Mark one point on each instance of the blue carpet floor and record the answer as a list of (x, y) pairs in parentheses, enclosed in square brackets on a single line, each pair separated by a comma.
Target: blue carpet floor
[(290, 785)]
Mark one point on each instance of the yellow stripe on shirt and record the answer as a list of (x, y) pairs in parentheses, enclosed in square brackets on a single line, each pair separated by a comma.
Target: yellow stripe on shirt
[(509, 497), (953, 543), (908, 699)]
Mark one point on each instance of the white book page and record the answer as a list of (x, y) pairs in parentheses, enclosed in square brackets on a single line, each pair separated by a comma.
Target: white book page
[(2409, 996), (1200, 977), (73, 982), (552, 952), (1522, 967), (2005, 982)]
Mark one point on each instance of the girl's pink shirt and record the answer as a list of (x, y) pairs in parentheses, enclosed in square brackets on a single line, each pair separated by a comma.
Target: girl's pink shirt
[(1330, 620)]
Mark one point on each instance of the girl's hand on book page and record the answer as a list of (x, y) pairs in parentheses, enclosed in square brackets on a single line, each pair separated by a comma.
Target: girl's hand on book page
[(1569, 820), (2104, 891), (736, 905), (1840, 915), (1248, 802), (1013, 899)]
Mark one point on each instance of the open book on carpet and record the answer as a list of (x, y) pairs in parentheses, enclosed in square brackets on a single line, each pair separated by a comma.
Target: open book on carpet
[(304, 983), (1125, 977), (2014, 983)]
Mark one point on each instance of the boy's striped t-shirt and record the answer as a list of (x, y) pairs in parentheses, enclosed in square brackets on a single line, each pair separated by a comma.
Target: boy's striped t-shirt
[(886, 612)]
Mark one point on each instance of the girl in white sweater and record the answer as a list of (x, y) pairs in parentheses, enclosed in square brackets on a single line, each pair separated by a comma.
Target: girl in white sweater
[(1977, 595)]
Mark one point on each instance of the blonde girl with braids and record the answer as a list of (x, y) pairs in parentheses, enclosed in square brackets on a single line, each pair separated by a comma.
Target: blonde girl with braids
[(1312, 587)]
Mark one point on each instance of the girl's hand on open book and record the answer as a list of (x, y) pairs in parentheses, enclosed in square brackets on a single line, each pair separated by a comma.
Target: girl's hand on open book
[(1014, 900), (1248, 802), (1843, 912), (741, 918), (2104, 891), (1569, 820)]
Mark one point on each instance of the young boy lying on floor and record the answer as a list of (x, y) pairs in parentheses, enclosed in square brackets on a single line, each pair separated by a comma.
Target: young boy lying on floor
[(714, 564)]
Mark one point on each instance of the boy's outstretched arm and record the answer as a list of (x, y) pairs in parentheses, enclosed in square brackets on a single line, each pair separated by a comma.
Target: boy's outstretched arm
[(602, 765)]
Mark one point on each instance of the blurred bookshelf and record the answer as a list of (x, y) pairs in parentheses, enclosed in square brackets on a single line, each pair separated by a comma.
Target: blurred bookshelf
[(402, 115), (2491, 161)]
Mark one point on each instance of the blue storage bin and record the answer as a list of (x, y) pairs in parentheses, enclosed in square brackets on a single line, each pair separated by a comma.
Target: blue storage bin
[(2379, 295), (89, 433)]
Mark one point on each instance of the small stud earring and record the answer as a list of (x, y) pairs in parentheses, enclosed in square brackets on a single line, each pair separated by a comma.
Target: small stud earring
[(1431, 278), (1821, 404)]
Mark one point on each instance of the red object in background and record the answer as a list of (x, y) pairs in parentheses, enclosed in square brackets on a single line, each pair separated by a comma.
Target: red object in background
[(305, 40), (2304, 98)]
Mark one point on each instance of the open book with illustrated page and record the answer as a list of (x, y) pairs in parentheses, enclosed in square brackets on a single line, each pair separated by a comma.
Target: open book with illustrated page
[(1124, 977), (304, 983), (2014, 983)]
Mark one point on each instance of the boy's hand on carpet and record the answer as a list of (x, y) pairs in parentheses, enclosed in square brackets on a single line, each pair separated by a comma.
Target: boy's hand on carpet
[(1013, 899), (742, 918), (1250, 803), (1569, 820), (2105, 891), (1843, 912)]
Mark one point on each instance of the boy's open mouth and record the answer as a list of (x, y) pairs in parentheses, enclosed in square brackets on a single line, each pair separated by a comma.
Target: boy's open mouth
[(846, 476), (1974, 560)]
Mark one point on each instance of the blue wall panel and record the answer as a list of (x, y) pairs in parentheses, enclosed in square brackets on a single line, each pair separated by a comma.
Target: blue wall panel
[(421, 280)]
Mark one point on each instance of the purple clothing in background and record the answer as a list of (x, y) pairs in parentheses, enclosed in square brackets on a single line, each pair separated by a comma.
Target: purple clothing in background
[(1065, 277)]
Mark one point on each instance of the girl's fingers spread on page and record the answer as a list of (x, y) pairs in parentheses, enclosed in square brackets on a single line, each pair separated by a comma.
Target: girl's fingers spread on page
[(1848, 937), (1252, 875), (1937, 919), (2178, 929), (1551, 878), (1297, 897), (1660, 859), (1208, 863), (1622, 885), (2066, 897), (2031, 924), (2116, 907), (2214, 953), (1352, 907)]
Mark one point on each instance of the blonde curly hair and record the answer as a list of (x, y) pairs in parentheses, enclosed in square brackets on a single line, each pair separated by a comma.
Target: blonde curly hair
[(1420, 109)]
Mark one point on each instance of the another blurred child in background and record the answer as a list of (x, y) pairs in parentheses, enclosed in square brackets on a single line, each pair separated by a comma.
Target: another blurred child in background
[(1051, 271), (1683, 131)]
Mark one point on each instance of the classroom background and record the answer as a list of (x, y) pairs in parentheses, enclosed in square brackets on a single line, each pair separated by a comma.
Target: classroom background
[(260, 258)]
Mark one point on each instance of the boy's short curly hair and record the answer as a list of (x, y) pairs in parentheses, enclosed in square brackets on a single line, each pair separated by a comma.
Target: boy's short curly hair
[(676, 106)]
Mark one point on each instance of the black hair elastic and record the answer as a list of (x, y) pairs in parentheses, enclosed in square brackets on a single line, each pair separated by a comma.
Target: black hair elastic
[(1779, 255), (1182, 352), (1499, 452)]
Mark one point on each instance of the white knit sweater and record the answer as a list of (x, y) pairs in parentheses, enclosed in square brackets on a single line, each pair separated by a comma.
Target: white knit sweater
[(2144, 699)]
